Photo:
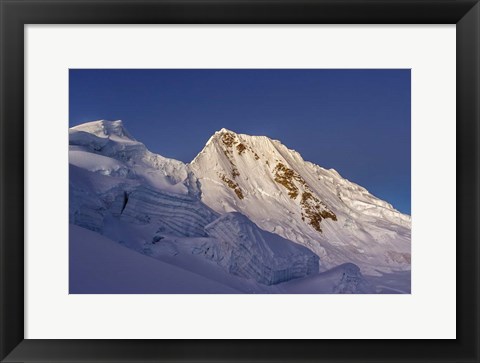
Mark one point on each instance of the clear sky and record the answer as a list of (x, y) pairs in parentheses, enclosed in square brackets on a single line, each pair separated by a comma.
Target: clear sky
[(355, 121)]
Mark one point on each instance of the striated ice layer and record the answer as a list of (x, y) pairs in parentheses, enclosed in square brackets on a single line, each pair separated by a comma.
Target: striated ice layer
[(133, 204), (175, 214), (247, 251), (86, 209)]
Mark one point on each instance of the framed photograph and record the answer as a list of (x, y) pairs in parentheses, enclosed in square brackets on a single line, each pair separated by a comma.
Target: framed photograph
[(239, 181), (231, 212)]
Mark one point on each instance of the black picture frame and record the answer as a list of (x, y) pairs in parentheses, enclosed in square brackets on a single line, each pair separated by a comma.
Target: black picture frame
[(17, 13)]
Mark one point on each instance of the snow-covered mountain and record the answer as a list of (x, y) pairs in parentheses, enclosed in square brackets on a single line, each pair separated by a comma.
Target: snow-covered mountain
[(151, 204), (126, 157), (246, 205), (282, 193)]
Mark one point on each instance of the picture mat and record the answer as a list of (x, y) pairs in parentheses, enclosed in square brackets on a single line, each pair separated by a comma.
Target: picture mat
[(429, 312)]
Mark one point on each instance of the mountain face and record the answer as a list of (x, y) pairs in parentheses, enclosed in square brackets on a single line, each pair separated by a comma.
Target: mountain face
[(303, 202), (246, 205)]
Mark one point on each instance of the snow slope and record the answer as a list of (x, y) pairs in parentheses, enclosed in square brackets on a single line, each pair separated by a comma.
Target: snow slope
[(99, 265), (303, 202)]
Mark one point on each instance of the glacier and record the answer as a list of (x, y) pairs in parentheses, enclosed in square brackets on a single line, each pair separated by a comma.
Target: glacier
[(111, 194)]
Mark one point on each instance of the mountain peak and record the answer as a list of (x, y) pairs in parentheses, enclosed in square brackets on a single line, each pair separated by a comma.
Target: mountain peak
[(105, 129), (225, 136), (223, 130)]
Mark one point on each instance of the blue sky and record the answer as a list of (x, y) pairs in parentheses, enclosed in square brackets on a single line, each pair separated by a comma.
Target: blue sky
[(355, 121)]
